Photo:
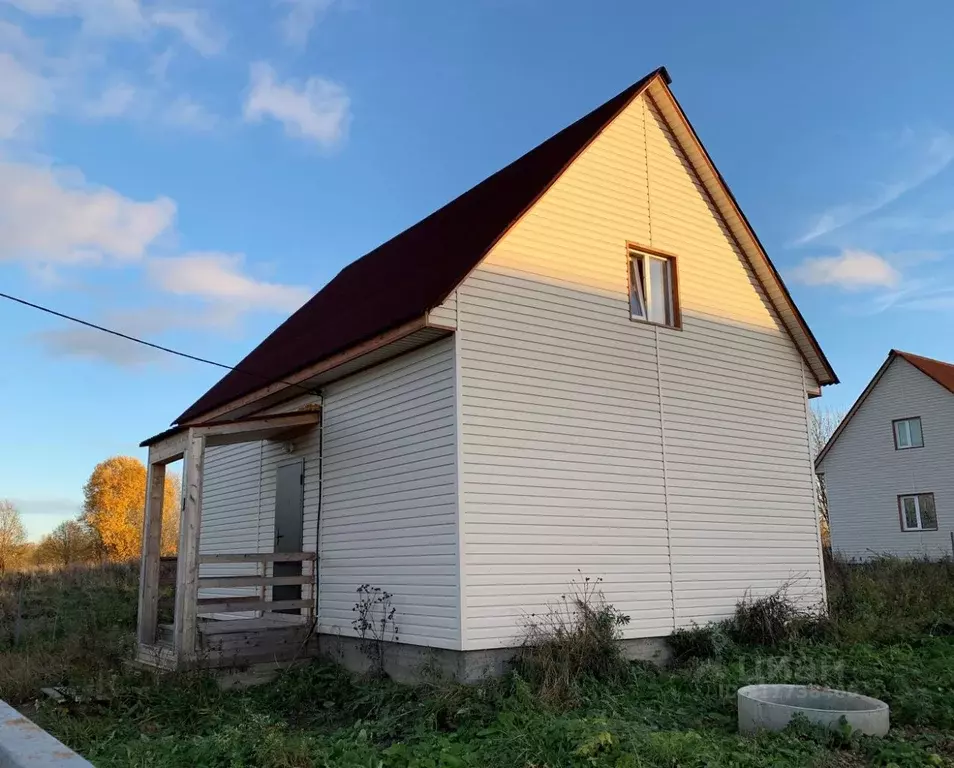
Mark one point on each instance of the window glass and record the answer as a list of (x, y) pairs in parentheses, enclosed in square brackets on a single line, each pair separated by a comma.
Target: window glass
[(902, 432), (914, 428), (928, 513), (657, 291), (907, 433), (910, 512), (637, 304), (651, 290)]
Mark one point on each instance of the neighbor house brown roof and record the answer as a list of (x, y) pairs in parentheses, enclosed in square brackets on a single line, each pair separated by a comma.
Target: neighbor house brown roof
[(401, 280), (942, 373)]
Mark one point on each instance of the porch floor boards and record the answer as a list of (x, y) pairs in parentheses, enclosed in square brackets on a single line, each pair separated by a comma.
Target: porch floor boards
[(239, 642)]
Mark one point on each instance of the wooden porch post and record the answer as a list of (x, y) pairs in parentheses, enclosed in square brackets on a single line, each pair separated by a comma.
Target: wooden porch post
[(187, 572), (151, 551)]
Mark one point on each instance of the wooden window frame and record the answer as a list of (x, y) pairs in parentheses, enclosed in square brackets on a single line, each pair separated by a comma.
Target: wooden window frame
[(634, 250), (894, 434), (915, 495)]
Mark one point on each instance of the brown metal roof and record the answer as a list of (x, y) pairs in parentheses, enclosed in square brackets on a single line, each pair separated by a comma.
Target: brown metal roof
[(416, 270), (942, 373), (401, 280)]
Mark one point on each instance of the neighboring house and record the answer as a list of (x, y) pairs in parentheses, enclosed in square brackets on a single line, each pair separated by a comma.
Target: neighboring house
[(584, 366), (889, 466)]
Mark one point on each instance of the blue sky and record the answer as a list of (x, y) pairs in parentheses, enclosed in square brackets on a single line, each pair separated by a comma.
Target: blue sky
[(191, 173)]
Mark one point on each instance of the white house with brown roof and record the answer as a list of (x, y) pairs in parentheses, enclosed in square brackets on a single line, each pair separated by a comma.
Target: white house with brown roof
[(585, 364), (889, 467)]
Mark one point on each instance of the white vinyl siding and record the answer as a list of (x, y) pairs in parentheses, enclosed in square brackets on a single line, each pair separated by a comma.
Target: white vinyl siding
[(864, 474), (389, 502), (672, 464), (230, 514), (446, 313), (238, 504)]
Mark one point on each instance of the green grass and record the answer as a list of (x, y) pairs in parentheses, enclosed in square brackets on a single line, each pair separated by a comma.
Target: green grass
[(318, 715), (61, 626)]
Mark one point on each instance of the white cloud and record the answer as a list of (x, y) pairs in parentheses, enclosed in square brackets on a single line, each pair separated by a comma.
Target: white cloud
[(89, 344), (851, 270), (114, 101), (50, 217), (216, 280), (934, 152), (195, 27), (318, 110), (34, 86), (218, 277), (146, 324), (24, 95), (128, 18), (300, 19), (186, 113), (101, 17)]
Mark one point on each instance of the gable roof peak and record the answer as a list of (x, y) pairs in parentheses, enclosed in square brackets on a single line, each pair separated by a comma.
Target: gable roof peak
[(941, 372), (416, 270), (400, 281)]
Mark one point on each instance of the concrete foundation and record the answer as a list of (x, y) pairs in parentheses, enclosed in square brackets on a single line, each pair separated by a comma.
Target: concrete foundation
[(415, 663)]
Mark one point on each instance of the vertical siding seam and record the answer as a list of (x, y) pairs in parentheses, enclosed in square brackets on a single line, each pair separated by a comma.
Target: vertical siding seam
[(812, 480), (459, 468), (649, 204), (321, 517), (659, 390), (665, 477)]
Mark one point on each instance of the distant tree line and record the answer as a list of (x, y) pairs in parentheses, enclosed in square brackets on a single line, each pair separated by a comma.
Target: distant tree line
[(109, 527)]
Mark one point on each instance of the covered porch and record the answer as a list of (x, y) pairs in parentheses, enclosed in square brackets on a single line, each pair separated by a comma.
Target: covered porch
[(273, 617)]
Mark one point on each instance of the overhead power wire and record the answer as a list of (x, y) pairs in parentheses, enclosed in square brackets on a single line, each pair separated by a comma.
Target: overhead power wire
[(159, 347)]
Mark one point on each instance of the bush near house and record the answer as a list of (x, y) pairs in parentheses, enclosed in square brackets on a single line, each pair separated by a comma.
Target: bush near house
[(886, 636)]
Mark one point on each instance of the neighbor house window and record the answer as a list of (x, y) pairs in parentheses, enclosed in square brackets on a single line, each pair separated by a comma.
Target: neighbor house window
[(907, 433), (918, 512), (652, 291)]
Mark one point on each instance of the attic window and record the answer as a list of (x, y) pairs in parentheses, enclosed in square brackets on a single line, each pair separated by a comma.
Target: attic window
[(907, 433), (652, 288)]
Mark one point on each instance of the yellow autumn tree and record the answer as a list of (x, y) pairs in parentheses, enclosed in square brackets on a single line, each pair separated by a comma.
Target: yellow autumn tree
[(114, 502)]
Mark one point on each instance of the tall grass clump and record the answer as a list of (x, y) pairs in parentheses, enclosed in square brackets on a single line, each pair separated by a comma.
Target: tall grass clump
[(762, 621), (917, 595), (62, 626), (574, 641), (770, 620)]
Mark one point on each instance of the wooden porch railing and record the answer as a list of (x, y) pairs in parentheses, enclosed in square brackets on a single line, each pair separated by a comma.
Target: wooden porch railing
[(209, 605), (261, 602)]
